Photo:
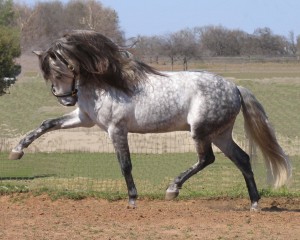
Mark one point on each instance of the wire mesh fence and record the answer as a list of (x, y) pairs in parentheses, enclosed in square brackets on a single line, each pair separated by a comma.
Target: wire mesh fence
[(74, 163)]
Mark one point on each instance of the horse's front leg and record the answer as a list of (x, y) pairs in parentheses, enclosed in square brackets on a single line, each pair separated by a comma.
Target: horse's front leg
[(120, 142), (71, 120)]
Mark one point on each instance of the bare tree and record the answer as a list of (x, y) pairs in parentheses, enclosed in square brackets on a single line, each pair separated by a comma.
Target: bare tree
[(148, 48), (219, 41), (169, 48), (269, 43), (75, 14), (47, 21), (250, 45), (183, 45), (91, 15), (298, 47), (104, 20), (187, 45), (292, 44)]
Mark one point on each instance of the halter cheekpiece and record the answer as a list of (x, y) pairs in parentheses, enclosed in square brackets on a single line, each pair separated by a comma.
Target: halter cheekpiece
[(74, 90)]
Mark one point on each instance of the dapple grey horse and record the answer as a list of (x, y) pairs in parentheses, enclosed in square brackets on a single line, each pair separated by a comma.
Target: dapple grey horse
[(123, 95)]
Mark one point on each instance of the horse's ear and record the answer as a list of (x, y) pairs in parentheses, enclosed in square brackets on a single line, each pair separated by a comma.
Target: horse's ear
[(38, 53)]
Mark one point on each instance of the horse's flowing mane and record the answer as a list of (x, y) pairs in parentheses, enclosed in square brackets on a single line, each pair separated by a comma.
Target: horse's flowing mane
[(99, 60)]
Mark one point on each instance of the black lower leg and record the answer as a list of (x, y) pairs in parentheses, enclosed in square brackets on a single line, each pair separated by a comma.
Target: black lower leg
[(242, 161), (252, 189), (126, 167), (132, 192)]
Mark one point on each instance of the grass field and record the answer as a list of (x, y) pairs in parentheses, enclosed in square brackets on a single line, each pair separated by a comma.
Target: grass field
[(99, 172), (30, 102)]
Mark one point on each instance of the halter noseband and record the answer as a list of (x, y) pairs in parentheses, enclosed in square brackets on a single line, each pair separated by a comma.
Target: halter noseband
[(74, 90), (73, 93)]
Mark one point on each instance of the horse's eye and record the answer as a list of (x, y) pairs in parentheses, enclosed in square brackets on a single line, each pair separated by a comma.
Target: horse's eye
[(58, 77)]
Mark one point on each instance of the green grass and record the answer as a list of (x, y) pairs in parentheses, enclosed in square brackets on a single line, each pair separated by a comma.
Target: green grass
[(281, 102), (28, 104), (260, 75), (98, 174)]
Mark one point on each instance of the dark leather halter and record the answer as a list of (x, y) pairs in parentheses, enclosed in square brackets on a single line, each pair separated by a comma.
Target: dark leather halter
[(74, 90)]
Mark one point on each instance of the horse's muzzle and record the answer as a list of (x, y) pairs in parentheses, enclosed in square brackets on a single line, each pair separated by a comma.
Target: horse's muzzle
[(68, 101)]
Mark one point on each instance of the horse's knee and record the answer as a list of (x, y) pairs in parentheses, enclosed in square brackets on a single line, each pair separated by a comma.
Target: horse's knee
[(49, 124)]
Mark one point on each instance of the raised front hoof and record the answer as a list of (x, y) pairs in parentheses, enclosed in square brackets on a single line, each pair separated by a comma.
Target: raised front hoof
[(15, 155), (170, 195)]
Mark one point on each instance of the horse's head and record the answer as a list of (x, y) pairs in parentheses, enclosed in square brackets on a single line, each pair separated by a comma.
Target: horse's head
[(95, 59), (61, 73)]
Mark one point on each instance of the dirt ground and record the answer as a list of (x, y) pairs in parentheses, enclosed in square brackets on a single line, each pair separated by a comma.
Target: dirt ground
[(38, 217)]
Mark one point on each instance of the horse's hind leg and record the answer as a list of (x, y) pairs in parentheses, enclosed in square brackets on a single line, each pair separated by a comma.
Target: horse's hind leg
[(226, 144), (205, 157)]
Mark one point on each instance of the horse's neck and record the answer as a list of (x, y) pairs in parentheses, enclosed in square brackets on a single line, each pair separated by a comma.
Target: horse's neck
[(92, 98)]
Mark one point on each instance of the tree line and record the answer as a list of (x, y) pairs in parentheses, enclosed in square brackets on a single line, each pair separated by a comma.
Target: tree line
[(217, 41), (45, 21), (24, 28)]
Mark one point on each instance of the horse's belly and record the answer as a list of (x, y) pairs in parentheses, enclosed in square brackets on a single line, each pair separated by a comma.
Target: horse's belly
[(158, 128), (156, 122)]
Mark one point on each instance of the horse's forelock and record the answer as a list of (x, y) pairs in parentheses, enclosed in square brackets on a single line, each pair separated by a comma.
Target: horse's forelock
[(45, 64), (49, 62)]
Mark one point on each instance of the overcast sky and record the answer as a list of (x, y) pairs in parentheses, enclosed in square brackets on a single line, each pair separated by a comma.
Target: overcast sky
[(157, 17)]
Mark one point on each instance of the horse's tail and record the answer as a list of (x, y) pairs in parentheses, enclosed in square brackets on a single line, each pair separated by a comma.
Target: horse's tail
[(259, 130)]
